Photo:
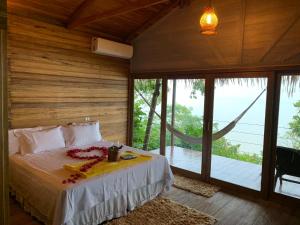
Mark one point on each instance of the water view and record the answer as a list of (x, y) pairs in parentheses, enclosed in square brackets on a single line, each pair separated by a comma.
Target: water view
[(238, 125)]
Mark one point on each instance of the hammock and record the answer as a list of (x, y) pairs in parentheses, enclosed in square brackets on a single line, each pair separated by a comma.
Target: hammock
[(215, 136)]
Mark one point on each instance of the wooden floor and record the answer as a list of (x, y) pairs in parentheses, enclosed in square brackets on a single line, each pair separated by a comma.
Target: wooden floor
[(232, 210), (230, 170), (228, 209), (19, 217)]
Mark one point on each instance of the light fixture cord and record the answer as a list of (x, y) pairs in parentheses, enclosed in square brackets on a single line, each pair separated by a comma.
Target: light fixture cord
[(209, 3)]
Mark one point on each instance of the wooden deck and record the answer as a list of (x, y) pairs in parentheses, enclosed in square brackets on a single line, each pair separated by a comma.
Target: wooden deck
[(230, 170)]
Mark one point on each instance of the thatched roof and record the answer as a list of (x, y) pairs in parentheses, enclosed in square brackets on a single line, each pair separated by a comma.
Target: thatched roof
[(289, 82)]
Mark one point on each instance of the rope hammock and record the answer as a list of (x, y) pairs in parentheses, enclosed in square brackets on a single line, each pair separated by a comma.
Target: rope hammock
[(215, 136)]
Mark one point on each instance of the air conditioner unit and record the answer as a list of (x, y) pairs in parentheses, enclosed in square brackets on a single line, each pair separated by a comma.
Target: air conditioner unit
[(111, 48)]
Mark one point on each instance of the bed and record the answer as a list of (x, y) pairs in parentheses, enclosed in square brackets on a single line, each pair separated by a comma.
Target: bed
[(36, 182)]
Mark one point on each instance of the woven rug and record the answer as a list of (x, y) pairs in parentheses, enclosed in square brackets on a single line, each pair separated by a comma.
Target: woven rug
[(162, 211), (195, 186)]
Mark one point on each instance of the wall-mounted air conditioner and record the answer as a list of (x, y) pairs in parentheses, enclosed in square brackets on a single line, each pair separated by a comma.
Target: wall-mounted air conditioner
[(111, 48)]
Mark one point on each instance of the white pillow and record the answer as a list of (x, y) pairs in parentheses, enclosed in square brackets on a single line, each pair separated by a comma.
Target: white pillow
[(82, 134), (41, 140), (13, 143), (14, 137)]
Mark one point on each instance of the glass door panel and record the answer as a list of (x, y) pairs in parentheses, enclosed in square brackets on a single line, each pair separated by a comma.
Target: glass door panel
[(238, 131), (287, 171), (185, 108), (146, 114)]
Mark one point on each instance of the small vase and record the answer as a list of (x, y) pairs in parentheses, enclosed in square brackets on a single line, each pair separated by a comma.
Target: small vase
[(114, 156), (114, 153)]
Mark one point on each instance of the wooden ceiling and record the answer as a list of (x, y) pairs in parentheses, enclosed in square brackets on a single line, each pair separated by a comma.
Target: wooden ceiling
[(251, 33), (120, 20)]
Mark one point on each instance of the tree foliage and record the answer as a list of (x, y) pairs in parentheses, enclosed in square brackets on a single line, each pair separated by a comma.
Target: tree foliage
[(197, 86), (294, 125), (146, 87)]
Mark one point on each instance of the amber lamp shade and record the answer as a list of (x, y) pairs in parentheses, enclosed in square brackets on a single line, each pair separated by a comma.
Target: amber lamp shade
[(209, 21)]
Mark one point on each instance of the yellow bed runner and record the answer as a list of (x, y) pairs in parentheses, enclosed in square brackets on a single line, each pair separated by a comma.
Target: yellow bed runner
[(105, 167)]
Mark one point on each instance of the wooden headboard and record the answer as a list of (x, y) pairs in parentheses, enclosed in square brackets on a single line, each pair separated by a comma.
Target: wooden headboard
[(55, 79)]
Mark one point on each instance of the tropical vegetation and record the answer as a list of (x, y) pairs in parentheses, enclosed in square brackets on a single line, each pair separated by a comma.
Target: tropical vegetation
[(186, 122), (294, 126), (146, 124)]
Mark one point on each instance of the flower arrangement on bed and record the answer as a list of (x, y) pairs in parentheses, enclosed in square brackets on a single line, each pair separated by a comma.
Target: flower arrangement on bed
[(62, 174)]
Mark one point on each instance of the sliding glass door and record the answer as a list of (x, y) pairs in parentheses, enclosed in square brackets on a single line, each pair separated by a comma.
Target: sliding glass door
[(238, 131), (287, 150), (185, 108), (217, 127)]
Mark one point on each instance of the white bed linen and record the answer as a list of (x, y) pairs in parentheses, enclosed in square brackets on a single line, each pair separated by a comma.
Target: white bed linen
[(37, 179)]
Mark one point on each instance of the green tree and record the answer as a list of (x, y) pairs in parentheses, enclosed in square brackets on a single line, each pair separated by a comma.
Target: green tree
[(154, 100), (150, 90), (197, 86), (294, 125), (138, 124), (144, 120), (140, 119), (146, 87)]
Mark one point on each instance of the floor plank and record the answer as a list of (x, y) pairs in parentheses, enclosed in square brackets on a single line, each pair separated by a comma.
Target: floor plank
[(233, 210), (228, 209)]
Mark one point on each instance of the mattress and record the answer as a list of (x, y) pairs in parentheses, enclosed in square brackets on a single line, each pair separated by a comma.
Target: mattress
[(36, 179)]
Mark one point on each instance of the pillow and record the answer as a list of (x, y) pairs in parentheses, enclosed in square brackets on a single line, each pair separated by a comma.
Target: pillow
[(41, 140), (82, 134), (13, 143), (14, 137)]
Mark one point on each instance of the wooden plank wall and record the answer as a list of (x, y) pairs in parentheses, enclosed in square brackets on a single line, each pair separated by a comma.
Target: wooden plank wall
[(55, 79)]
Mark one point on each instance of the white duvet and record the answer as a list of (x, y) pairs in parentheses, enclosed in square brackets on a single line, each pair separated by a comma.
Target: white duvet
[(37, 179)]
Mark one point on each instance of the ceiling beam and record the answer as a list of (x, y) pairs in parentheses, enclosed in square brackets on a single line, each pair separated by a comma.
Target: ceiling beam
[(79, 10), (284, 33), (150, 22), (114, 12), (294, 57), (242, 30)]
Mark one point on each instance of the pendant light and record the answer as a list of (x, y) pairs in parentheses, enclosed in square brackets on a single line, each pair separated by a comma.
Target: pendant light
[(209, 20)]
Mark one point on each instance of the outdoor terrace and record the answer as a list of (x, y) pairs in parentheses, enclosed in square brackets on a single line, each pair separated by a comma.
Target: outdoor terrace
[(230, 170)]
